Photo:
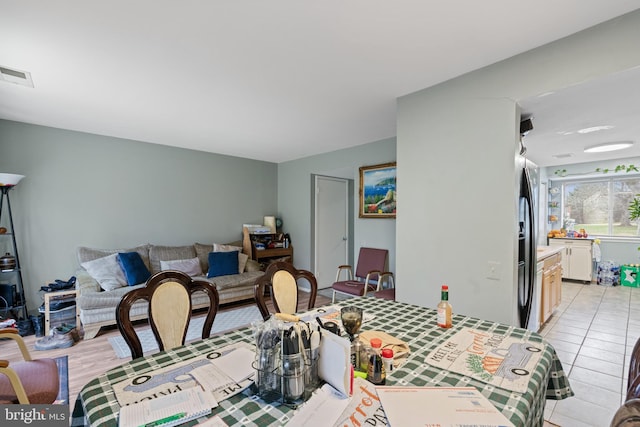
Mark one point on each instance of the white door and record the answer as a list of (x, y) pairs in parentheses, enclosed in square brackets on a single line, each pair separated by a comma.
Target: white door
[(331, 228)]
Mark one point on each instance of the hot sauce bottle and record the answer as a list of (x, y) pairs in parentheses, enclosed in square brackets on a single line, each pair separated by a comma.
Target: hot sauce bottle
[(444, 309)]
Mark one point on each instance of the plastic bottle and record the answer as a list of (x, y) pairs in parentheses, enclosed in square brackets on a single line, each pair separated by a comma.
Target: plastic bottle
[(387, 359), (444, 309), (375, 372)]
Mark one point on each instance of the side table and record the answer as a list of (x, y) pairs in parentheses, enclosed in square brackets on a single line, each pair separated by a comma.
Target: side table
[(58, 295)]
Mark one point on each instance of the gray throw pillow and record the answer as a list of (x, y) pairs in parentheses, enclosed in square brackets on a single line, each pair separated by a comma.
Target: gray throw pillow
[(106, 271)]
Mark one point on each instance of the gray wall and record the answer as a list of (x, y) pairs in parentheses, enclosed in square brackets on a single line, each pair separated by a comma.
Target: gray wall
[(295, 198), (88, 190), (446, 231)]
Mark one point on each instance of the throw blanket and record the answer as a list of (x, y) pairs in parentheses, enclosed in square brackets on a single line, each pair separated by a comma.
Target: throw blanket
[(498, 360)]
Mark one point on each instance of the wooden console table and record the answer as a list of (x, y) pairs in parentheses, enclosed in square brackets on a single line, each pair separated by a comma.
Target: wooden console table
[(263, 254)]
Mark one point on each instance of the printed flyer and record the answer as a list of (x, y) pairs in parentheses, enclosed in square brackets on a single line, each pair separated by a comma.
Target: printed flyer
[(499, 360)]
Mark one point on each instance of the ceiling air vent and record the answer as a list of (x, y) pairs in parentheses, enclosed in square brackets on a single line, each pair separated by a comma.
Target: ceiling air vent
[(16, 76)]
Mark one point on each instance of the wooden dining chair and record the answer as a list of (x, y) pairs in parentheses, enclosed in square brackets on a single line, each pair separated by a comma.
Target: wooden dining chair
[(29, 381), (168, 293), (369, 275), (280, 279)]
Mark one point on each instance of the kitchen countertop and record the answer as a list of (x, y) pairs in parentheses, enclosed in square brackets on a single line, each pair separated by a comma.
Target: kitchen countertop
[(573, 238), (547, 251)]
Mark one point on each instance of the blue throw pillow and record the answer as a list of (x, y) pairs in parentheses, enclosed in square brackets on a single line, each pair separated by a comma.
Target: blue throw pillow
[(223, 263), (133, 267)]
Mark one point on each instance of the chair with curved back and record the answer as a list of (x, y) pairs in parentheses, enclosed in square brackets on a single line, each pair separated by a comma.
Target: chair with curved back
[(629, 413), (169, 296), (281, 279), (369, 274), (634, 367), (30, 381)]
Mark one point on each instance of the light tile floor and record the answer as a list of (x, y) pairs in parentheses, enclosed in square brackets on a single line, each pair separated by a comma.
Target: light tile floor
[(593, 331)]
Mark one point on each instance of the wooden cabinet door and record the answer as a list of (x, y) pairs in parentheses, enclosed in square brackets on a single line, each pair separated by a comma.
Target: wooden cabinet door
[(564, 255), (554, 272), (557, 285), (547, 279)]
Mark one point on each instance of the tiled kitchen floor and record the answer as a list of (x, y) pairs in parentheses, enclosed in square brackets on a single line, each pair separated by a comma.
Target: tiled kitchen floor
[(593, 331)]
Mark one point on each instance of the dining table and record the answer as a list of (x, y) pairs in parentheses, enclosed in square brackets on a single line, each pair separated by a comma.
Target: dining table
[(97, 404)]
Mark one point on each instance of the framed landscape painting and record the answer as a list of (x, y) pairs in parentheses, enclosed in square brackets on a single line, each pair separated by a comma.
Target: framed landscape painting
[(378, 191)]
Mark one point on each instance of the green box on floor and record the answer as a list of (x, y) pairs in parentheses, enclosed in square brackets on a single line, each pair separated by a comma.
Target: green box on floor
[(629, 276)]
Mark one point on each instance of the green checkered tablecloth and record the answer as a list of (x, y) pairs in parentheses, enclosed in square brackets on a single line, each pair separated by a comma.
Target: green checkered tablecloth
[(97, 404)]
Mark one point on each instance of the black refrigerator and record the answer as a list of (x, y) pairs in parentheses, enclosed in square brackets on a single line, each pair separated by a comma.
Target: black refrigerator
[(527, 246)]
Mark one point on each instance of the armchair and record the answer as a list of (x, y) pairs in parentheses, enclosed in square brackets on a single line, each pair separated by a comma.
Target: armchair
[(369, 275), (31, 381)]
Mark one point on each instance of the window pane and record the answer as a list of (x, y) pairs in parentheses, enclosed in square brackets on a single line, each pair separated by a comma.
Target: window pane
[(586, 205), (624, 191)]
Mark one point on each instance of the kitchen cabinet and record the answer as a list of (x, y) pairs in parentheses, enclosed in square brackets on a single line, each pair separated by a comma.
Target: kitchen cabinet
[(577, 258), (546, 309), (556, 284), (551, 281)]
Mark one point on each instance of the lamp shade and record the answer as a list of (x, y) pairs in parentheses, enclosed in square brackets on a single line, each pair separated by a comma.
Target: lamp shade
[(9, 179), (270, 221)]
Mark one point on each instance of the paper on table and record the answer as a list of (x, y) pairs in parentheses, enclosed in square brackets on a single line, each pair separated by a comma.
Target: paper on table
[(214, 421), (442, 406), (321, 410), (153, 382), (237, 364), (334, 362), (172, 409), (211, 378)]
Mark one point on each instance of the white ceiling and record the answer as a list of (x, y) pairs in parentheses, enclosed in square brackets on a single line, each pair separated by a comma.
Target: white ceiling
[(611, 101), (271, 80)]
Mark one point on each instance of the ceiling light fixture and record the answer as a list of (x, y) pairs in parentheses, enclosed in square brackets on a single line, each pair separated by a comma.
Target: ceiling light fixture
[(609, 146), (595, 129)]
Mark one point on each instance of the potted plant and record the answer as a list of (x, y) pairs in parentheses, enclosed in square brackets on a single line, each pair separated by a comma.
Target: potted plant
[(634, 211)]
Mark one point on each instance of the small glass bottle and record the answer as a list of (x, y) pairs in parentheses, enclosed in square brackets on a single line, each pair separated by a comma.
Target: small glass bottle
[(365, 353), (444, 309), (375, 372), (387, 359), (356, 351)]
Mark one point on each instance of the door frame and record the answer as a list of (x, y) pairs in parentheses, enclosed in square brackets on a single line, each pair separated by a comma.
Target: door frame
[(349, 218)]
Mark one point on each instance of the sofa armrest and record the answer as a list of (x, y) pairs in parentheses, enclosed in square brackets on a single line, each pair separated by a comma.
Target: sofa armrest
[(85, 283), (252, 265)]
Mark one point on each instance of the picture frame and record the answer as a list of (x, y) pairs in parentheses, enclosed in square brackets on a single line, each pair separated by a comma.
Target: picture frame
[(378, 192)]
